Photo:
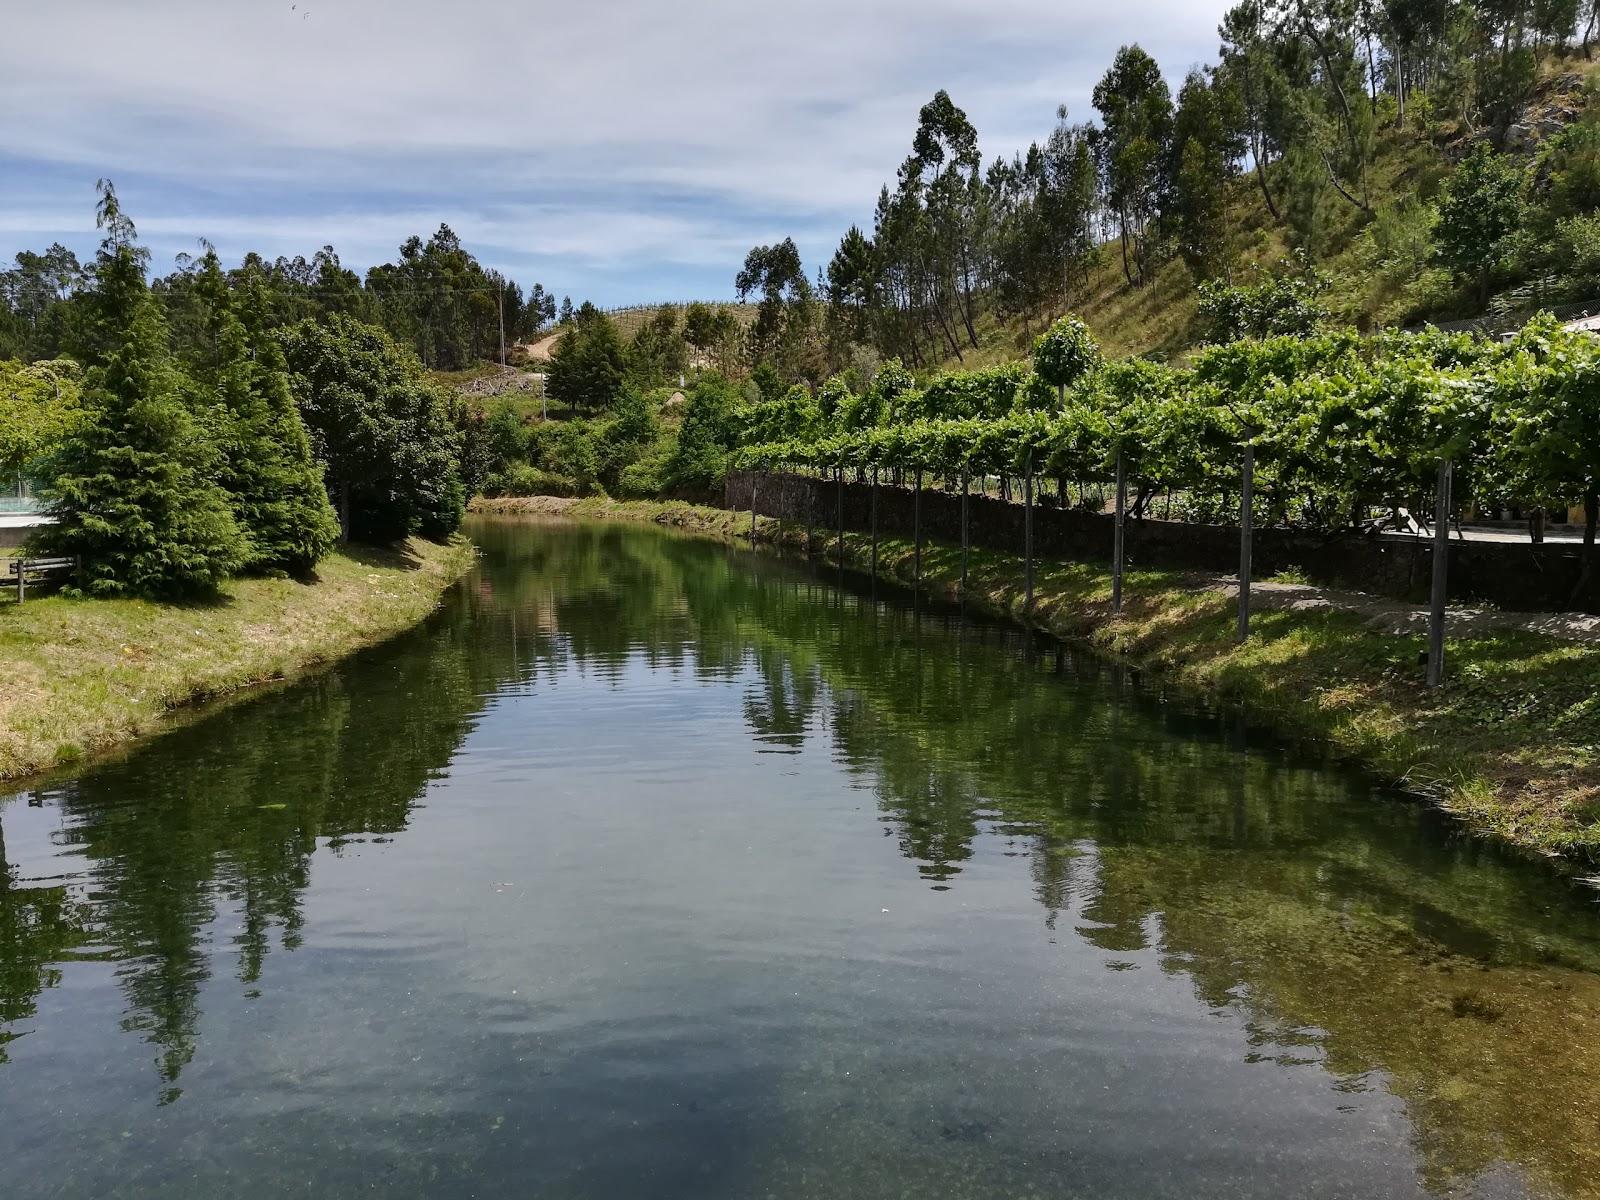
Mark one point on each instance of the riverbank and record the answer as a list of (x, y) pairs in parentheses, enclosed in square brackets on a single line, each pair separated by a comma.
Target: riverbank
[(1509, 745), (83, 676)]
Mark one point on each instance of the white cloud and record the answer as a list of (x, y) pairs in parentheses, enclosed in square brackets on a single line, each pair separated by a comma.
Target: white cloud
[(622, 132)]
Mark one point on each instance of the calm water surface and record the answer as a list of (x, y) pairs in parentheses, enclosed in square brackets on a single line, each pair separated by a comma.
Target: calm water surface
[(653, 868)]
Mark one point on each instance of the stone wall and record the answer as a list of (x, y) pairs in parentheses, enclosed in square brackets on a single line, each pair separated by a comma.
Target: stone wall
[(1512, 575)]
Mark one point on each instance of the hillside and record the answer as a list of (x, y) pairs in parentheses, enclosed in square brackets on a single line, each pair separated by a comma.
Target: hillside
[(628, 320), (1379, 268)]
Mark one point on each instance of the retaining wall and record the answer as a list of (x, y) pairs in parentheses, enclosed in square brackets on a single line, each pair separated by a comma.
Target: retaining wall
[(1512, 575)]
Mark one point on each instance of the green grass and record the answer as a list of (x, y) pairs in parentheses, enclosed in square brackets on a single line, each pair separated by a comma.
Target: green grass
[(1509, 744), (85, 675)]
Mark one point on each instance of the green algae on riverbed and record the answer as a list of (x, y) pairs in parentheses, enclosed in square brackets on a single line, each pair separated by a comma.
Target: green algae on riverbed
[(1511, 743), (651, 866)]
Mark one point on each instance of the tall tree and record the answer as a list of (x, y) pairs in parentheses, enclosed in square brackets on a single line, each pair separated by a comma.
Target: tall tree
[(131, 487), (1135, 108), (589, 363), (386, 436), (266, 465), (783, 314), (942, 171), (1206, 148)]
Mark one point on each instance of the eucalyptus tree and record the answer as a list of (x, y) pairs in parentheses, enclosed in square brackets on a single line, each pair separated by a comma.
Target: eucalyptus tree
[(1205, 151), (1135, 109), (783, 323), (943, 172)]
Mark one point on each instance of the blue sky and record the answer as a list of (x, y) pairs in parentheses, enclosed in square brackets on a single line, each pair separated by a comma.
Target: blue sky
[(622, 152)]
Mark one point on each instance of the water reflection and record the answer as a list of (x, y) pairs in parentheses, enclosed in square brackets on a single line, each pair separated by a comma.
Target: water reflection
[(1356, 939)]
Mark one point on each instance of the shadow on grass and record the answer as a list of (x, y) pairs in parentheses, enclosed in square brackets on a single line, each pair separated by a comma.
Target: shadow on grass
[(395, 557)]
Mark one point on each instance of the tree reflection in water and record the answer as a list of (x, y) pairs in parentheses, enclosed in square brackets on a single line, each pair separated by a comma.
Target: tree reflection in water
[(1356, 935)]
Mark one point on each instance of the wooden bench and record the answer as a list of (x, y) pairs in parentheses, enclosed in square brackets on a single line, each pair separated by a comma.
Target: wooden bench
[(39, 570)]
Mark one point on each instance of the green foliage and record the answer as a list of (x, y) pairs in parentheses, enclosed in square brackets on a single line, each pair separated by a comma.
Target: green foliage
[(1207, 144), (266, 466), (1547, 390), (39, 406), (709, 432), (1480, 212), (963, 394), (1289, 302), (1136, 119), (589, 364), (659, 353), (384, 433), (1065, 353), (1568, 170), (1341, 424), (493, 445)]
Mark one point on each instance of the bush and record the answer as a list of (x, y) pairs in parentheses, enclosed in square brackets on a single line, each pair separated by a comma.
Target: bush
[(646, 477), (710, 430), (522, 479), (1290, 303)]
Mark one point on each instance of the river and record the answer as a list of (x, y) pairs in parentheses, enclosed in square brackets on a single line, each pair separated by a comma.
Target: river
[(651, 867)]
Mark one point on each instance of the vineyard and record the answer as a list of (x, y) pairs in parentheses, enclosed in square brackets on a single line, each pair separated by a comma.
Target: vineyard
[(1331, 432), (1344, 430)]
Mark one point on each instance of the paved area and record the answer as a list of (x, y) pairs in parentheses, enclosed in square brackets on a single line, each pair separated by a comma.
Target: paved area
[(1479, 534)]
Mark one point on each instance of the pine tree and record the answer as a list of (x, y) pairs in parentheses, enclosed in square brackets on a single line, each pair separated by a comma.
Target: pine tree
[(130, 490), (267, 468)]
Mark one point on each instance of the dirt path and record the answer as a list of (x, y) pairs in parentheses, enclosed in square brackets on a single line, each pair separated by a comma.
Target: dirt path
[(544, 348), (1398, 617)]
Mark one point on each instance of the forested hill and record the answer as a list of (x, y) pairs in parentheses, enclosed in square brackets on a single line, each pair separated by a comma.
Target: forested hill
[(1377, 164), (1376, 269)]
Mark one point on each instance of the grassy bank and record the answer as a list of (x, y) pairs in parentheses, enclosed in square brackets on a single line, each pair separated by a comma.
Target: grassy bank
[(84, 675), (1510, 744)]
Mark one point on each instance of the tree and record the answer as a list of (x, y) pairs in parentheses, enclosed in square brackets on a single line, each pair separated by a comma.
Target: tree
[(851, 287), (1136, 126), (659, 352), (1249, 70), (589, 363), (1205, 150), (266, 465), (783, 316), (1065, 353), (385, 435), (130, 488), (39, 406), (1287, 304), (710, 429), (1480, 211), (942, 175)]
